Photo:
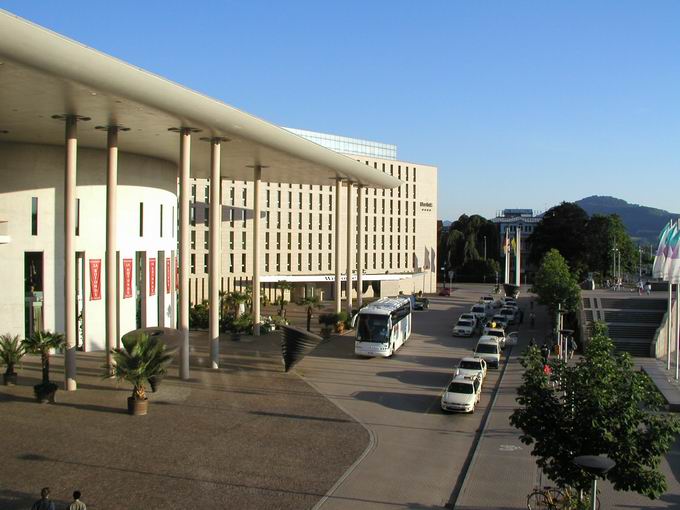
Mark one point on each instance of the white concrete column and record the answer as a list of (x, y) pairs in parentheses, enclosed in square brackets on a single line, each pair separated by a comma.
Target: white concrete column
[(70, 253), (215, 245), (350, 245), (360, 247), (184, 193), (338, 284), (111, 240), (257, 181)]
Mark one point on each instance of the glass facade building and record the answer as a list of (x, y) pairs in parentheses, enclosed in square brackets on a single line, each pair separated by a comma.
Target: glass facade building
[(347, 145)]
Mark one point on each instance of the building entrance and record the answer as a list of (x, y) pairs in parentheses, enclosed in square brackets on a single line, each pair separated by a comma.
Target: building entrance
[(33, 292)]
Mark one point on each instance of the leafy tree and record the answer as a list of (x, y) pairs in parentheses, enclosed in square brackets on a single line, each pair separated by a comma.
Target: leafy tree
[(562, 228), (555, 285), (601, 406), (602, 235), (464, 242)]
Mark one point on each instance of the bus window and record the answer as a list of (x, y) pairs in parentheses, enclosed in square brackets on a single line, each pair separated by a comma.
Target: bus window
[(373, 328)]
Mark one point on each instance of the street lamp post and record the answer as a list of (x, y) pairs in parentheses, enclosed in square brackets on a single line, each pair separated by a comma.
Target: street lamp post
[(484, 247)]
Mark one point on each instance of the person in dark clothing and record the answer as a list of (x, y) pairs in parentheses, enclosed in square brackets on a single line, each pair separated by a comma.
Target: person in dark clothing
[(44, 502), (545, 352), (521, 316)]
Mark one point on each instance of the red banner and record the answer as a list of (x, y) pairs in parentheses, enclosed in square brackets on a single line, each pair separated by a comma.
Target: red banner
[(168, 280), (127, 278), (176, 273), (152, 277), (95, 279)]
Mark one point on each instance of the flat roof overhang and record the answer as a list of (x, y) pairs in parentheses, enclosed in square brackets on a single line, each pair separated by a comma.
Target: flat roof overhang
[(44, 74)]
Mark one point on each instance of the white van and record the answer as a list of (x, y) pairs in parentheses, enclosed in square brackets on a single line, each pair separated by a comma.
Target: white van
[(489, 350)]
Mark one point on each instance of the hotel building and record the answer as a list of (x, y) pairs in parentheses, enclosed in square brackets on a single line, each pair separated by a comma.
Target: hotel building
[(398, 234)]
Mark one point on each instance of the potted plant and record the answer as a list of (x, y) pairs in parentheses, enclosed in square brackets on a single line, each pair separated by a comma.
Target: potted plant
[(11, 352), (340, 321), (327, 321), (41, 342), (242, 324), (141, 358)]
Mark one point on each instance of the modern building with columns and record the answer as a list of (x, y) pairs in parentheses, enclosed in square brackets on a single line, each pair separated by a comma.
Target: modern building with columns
[(397, 238), (96, 162)]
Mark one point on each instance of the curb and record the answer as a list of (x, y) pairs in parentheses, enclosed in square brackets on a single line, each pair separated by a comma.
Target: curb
[(372, 443), (470, 461)]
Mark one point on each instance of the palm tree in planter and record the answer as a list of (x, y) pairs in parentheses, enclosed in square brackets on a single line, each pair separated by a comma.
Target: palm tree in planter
[(142, 357), (41, 342), (11, 352)]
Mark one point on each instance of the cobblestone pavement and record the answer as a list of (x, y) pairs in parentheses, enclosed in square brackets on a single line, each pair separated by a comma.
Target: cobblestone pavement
[(247, 436)]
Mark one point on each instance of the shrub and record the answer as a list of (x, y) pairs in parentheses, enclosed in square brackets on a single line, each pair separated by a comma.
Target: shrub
[(199, 316)]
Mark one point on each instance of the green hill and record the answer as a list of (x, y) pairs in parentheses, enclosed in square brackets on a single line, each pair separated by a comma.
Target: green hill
[(643, 223)]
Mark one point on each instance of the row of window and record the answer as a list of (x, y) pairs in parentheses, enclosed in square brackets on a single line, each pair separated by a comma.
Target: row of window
[(34, 218), (276, 262), (310, 244)]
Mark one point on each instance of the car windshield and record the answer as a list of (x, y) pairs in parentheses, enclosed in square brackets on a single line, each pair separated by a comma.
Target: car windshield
[(372, 328), (464, 323), (500, 318), (494, 333), (470, 365), (487, 349), (458, 387), (478, 309), (506, 312), (467, 317)]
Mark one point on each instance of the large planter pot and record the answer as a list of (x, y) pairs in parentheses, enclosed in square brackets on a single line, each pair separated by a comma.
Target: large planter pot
[(155, 382), (137, 407), (9, 379), (44, 393)]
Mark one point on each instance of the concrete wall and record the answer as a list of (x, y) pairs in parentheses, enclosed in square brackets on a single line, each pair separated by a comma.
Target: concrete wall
[(28, 171), (660, 343)]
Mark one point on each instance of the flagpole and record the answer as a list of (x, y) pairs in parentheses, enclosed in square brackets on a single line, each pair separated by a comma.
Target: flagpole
[(669, 315), (517, 257)]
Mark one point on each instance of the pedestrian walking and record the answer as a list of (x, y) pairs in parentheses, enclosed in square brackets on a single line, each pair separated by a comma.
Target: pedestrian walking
[(521, 316), (648, 288), (532, 319), (572, 347), (545, 352), (640, 288), (44, 502), (531, 304)]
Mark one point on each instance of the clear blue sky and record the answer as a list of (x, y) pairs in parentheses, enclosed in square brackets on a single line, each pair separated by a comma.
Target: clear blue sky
[(519, 104)]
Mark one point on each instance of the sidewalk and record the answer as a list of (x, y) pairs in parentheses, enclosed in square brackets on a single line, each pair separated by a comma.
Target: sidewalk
[(503, 472)]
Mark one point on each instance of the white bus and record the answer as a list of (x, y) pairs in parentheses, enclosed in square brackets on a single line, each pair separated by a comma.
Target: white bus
[(382, 327)]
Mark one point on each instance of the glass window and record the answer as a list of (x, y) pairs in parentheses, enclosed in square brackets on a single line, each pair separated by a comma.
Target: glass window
[(206, 239), (193, 239), (243, 263), (243, 240), (205, 262), (34, 216), (141, 218), (193, 263)]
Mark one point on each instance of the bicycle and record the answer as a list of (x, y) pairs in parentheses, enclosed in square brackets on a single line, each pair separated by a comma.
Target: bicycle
[(547, 498), (553, 498)]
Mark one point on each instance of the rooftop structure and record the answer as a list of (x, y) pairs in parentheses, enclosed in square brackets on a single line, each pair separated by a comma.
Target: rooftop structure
[(347, 145)]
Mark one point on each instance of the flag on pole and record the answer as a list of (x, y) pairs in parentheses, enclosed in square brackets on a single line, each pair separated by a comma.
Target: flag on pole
[(671, 248), (513, 246), (673, 257), (660, 258)]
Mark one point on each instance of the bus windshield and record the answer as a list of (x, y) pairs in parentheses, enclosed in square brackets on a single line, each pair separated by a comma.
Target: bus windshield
[(373, 328)]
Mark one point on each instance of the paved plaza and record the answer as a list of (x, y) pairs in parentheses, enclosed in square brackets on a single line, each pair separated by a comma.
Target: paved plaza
[(337, 432)]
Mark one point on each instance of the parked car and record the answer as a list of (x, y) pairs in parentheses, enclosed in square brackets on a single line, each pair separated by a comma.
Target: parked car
[(471, 367), (499, 333), (500, 320), (462, 394), (469, 317), (488, 300), (510, 313), (480, 311), (488, 349), (463, 328), (508, 300)]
